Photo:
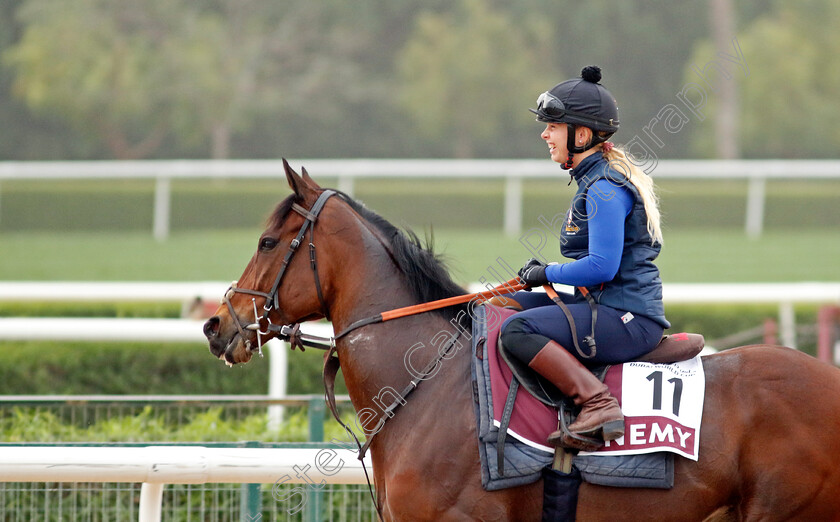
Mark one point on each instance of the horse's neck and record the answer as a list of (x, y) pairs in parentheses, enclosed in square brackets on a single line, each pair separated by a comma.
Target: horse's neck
[(381, 360), (374, 357)]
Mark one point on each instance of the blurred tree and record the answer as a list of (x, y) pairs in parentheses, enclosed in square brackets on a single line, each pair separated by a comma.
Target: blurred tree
[(345, 87), (23, 134), (722, 23), (465, 72), (788, 105), (260, 78), (641, 46), (238, 59), (134, 73), (97, 65)]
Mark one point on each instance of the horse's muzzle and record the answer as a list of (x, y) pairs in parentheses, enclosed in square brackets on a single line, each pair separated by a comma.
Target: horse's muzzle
[(231, 348), (211, 327)]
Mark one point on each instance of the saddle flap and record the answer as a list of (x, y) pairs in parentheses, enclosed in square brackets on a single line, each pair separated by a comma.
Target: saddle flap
[(534, 383), (674, 348)]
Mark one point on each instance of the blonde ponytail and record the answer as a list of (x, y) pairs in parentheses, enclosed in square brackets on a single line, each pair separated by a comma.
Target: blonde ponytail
[(619, 161)]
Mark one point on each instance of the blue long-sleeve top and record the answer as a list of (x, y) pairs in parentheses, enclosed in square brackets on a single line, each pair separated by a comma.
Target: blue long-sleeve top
[(606, 239)]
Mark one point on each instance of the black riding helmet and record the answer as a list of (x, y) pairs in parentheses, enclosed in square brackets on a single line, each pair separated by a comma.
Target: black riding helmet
[(580, 101)]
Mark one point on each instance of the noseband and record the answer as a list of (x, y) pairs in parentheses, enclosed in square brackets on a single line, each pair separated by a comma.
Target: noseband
[(262, 325)]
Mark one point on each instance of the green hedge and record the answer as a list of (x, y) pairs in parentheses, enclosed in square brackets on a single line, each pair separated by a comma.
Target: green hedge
[(718, 321), (38, 424), (34, 368), (90, 309)]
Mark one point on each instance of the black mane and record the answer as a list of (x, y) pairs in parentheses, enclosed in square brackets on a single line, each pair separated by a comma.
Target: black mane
[(424, 270)]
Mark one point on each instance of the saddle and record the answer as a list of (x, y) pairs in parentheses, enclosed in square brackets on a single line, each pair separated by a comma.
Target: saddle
[(672, 348)]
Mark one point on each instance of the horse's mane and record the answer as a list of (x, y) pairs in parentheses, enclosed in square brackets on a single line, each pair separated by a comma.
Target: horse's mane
[(425, 271)]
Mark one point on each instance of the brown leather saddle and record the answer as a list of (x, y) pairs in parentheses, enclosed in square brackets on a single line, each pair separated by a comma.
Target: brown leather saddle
[(672, 348)]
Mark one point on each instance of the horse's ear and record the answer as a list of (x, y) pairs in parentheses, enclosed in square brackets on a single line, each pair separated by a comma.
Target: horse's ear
[(296, 183), (300, 185), (308, 179)]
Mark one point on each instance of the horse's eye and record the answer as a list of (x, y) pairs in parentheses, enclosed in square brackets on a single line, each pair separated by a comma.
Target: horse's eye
[(267, 243)]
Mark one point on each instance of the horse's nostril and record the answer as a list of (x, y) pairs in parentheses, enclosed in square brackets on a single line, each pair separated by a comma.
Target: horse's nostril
[(211, 327)]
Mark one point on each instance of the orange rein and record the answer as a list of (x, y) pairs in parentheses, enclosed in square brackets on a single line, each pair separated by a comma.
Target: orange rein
[(513, 285)]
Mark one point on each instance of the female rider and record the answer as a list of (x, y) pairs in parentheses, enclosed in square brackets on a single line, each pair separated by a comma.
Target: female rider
[(612, 234)]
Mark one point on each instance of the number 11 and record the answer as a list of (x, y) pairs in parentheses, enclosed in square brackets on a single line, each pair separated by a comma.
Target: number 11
[(656, 377)]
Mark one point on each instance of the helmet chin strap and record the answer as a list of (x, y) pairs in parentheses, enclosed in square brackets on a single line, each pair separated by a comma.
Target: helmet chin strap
[(572, 148), (577, 149)]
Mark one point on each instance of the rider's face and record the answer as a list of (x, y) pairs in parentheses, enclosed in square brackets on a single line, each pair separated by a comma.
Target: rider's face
[(555, 137)]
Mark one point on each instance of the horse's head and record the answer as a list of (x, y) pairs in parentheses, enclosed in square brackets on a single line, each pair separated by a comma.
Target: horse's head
[(280, 285)]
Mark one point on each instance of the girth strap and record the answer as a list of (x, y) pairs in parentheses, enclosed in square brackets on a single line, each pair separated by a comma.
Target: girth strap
[(503, 425)]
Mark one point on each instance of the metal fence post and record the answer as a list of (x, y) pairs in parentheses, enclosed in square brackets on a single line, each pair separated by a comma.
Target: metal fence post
[(151, 500), (163, 200), (316, 419), (755, 207), (250, 510), (345, 184), (316, 434), (513, 205)]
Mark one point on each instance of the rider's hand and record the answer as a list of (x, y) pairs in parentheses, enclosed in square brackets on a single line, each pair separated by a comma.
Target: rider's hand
[(533, 273)]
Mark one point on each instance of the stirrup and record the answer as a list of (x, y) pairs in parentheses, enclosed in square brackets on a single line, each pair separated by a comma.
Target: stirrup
[(574, 441)]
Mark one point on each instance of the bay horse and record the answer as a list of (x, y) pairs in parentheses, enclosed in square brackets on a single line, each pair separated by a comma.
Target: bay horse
[(770, 444)]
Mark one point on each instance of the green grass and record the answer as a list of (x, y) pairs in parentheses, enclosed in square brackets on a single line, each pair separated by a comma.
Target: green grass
[(125, 256), (689, 255), (101, 230), (778, 256)]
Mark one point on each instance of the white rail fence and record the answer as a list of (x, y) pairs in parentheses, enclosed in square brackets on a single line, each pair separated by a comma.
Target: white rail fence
[(156, 466), (757, 172), (784, 295)]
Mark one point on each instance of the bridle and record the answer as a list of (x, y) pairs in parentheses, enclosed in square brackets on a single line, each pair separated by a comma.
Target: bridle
[(262, 325)]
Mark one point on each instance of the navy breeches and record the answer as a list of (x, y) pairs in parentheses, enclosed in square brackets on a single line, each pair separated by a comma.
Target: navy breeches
[(618, 340)]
